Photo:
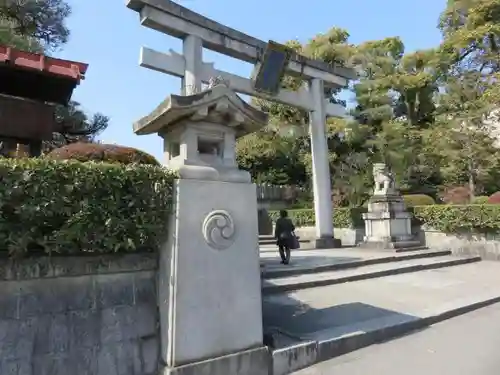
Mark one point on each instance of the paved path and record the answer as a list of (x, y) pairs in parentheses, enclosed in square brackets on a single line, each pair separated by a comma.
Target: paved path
[(336, 310), (466, 345), (313, 258)]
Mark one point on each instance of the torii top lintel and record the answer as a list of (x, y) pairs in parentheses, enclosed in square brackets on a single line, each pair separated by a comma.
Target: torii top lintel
[(241, 46)]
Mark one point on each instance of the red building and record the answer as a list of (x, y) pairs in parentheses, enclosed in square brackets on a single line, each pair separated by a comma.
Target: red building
[(30, 87)]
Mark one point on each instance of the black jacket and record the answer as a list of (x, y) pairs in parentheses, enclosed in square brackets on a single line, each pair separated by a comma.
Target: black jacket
[(283, 225)]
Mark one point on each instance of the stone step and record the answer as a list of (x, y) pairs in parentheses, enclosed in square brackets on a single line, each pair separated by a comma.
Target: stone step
[(272, 241), (315, 325), (399, 246), (272, 248), (410, 249), (268, 239), (404, 244), (291, 270), (315, 280)]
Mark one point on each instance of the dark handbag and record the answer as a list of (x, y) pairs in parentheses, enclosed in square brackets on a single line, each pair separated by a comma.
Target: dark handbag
[(294, 242)]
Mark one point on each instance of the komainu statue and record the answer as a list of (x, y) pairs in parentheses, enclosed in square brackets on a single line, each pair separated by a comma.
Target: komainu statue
[(384, 180)]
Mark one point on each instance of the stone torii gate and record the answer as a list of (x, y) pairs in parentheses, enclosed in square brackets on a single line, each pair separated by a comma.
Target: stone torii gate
[(198, 32)]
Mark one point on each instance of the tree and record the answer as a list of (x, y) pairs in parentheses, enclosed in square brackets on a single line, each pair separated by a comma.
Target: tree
[(422, 112), (377, 62), (9, 38), (467, 155), (40, 20), (280, 153), (350, 162), (471, 32), (39, 26), (281, 113), (331, 47), (415, 82), (272, 158), (74, 125)]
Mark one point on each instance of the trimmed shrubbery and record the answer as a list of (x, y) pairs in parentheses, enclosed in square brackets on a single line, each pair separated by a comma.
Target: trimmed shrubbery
[(480, 199), (102, 152), (494, 198), (456, 218), (418, 200), (73, 207), (456, 195), (342, 217), (445, 218)]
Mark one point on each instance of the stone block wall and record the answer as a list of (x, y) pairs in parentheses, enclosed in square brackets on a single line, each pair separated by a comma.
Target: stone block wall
[(79, 315), (462, 244), (485, 245)]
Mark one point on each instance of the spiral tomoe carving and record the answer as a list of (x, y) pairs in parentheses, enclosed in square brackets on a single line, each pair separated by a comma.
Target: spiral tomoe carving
[(219, 230)]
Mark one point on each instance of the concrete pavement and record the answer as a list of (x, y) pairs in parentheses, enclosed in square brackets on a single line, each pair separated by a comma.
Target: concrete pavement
[(465, 345), (335, 310), (315, 325)]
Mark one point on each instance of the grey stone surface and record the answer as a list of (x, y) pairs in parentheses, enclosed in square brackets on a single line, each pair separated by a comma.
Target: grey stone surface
[(318, 313), (59, 266), (465, 345), (322, 313), (313, 261), (326, 243), (347, 236), (215, 293), (249, 362), (294, 358), (297, 282), (487, 246), (248, 48), (79, 315), (347, 317)]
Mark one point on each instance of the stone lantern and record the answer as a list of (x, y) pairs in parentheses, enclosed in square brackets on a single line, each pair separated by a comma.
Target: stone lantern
[(200, 133), (209, 269)]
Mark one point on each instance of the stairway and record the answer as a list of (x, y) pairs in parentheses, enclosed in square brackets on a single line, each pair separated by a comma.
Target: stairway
[(268, 239), (330, 302), (275, 281)]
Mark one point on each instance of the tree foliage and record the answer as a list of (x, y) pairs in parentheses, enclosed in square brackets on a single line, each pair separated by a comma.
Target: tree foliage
[(74, 125), (431, 115), (40, 26), (42, 21)]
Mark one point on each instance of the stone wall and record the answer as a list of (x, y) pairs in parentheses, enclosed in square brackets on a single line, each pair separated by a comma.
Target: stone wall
[(79, 315), (487, 246), (348, 236)]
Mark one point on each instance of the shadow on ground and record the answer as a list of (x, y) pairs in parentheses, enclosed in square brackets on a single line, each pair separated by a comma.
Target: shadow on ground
[(290, 321)]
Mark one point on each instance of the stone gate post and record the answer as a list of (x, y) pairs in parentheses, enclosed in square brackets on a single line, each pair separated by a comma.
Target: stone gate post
[(209, 275)]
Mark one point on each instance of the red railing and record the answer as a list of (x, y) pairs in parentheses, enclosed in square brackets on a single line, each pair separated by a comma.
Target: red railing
[(34, 61)]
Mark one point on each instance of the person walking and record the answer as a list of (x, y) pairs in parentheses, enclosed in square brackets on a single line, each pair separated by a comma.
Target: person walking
[(284, 234)]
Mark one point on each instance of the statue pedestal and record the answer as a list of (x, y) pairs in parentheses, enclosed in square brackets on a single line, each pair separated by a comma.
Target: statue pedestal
[(209, 286), (387, 223), (324, 242)]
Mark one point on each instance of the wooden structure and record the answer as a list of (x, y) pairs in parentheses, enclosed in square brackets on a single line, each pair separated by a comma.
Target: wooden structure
[(30, 87)]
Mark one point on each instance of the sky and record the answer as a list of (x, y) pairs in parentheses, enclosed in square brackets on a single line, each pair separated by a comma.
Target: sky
[(108, 36)]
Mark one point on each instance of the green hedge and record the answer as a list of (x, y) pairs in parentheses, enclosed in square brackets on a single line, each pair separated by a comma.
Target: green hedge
[(445, 218), (481, 199), (342, 217), (458, 218), (74, 207), (412, 200)]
